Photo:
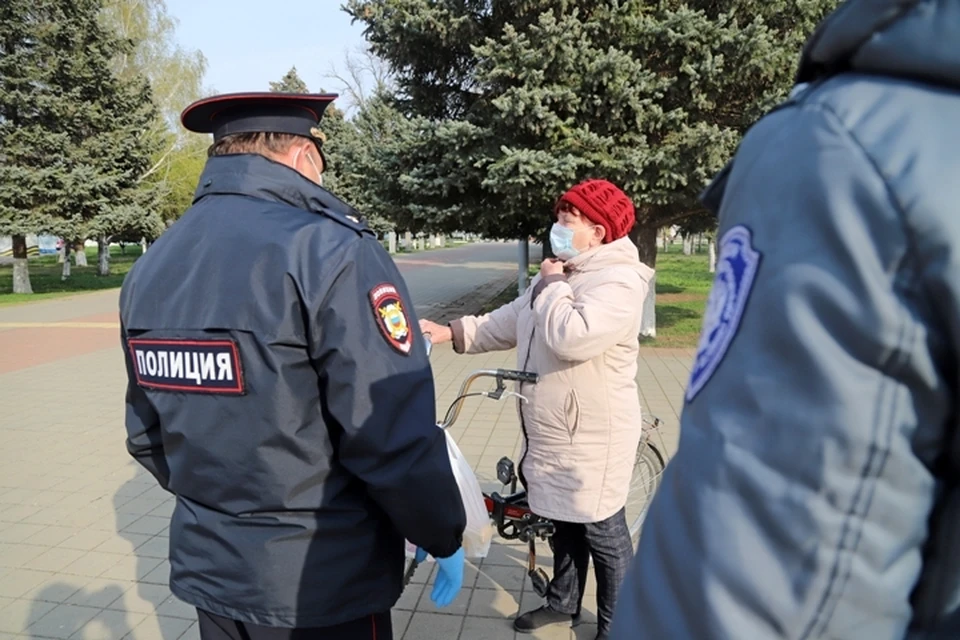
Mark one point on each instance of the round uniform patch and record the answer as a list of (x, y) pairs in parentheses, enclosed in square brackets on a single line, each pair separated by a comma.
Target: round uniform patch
[(391, 317), (736, 269)]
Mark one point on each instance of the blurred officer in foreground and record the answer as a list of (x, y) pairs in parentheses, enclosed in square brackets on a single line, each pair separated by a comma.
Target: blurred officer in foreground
[(278, 389), (816, 491)]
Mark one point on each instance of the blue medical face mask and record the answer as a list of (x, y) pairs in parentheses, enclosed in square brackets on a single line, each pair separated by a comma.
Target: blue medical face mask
[(561, 241)]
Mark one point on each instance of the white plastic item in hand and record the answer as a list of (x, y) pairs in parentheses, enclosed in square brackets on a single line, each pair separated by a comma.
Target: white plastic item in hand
[(479, 531)]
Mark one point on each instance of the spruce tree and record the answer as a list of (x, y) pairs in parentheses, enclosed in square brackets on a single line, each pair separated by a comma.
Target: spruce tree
[(71, 131), (521, 99), (28, 145), (290, 83)]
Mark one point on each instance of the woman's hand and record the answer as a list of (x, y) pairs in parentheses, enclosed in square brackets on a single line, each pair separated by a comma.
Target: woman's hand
[(550, 267), (438, 333)]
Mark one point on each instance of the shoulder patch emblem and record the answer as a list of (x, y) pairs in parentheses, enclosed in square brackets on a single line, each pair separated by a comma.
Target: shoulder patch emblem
[(737, 265), (192, 366), (391, 317)]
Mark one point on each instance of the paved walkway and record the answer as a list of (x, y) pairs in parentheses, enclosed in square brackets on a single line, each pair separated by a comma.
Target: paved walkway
[(84, 531)]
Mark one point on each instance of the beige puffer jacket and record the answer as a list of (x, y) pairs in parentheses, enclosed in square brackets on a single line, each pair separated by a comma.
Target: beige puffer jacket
[(579, 331)]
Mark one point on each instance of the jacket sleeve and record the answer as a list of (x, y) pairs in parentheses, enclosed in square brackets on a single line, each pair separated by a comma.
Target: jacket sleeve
[(144, 441), (795, 505), (579, 328), (378, 393), (494, 331)]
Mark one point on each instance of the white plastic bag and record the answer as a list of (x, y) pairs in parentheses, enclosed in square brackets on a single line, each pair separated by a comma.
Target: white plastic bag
[(479, 532)]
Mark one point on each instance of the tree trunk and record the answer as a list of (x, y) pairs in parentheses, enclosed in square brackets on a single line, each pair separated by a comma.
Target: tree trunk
[(66, 261), (687, 245), (143, 245), (103, 256), (80, 254), (712, 249), (21, 266), (648, 321), (645, 237), (523, 266)]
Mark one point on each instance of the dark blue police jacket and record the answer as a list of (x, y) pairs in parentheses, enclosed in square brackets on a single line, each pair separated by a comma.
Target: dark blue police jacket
[(279, 387)]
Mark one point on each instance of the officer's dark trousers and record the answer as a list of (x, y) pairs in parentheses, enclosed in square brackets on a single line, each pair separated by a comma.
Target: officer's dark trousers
[(608, 542), (376, 627)]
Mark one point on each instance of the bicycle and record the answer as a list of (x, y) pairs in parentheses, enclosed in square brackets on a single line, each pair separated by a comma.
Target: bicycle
[(511, 513)]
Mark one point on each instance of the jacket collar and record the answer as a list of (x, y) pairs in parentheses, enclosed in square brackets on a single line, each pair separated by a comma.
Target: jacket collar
[(256, 176), (620, 252), (909, 39)]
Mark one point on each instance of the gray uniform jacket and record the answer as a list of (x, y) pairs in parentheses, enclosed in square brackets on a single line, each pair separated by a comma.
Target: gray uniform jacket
[(815, 491)]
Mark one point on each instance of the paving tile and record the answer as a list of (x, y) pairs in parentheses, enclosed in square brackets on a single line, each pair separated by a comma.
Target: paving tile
[(87, 539), (174, 607), (13, 556), (16, 582), (62, 621), (458, 607), (100, 593), (399, 620), (56, 588), (20, 532), (410, 597), (51, 536), (433, 626), (487, 629), (18, 512), (154, 547), (585, 631), (122, 545), (142, 598), (500, 577), (160, 628), (149, 525), (53, 559), (109, 625), (494, 603), (142, 505), (17, 615), (130, 567), (159, 575), (192, 633), (93, 564)]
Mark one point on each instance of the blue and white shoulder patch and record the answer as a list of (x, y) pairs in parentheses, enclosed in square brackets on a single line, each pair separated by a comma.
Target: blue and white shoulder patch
[(737, 265), (192, 366)]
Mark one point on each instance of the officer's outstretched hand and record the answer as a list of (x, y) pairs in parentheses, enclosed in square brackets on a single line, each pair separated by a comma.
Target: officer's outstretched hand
[(449, 579)]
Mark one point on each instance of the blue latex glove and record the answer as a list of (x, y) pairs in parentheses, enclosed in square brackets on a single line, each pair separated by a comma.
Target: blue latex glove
[(449, 577)]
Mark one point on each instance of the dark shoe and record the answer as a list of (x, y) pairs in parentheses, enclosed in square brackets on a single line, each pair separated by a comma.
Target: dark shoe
[(538, 618)]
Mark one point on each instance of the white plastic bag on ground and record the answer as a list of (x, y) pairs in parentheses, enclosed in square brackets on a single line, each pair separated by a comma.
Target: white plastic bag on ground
[(479, 532)]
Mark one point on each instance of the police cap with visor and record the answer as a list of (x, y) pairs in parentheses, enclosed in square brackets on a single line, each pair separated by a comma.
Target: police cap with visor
[(295, 114)]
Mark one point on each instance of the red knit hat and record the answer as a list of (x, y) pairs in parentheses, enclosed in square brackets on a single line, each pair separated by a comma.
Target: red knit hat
[(604, 204)]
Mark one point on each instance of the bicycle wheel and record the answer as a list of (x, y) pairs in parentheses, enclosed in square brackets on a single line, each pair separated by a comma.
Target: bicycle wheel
[(647, 473)]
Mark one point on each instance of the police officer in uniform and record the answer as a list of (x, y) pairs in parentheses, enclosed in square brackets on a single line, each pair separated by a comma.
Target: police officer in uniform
[(278, 388), (816, 489)]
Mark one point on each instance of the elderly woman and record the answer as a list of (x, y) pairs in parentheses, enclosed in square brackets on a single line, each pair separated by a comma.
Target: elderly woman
[(577, 326)]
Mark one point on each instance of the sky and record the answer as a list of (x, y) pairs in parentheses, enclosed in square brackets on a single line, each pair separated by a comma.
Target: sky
[(249, 43)]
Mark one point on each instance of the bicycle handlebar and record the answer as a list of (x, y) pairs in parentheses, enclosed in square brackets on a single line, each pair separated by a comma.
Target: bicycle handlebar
[(500, 374), (518, 376)]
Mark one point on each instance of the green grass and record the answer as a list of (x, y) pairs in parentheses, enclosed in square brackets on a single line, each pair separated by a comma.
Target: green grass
[(683, 283), (45, 276)]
